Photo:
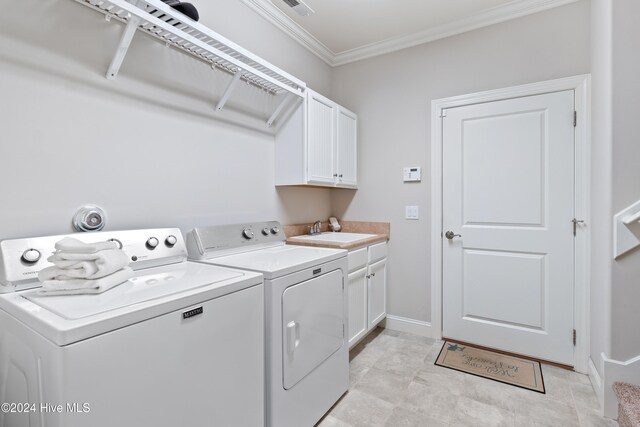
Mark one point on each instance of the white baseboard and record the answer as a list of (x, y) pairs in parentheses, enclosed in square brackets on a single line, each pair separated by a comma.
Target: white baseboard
[(615, 370), (411, 326), (596, 383)]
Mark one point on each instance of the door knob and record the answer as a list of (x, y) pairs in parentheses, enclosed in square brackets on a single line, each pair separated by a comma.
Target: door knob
[(450, 235)]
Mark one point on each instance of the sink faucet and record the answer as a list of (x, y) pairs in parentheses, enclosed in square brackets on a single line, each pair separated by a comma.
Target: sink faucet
[(315, 228)]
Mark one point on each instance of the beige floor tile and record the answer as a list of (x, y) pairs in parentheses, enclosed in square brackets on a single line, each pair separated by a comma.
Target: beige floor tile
[(584, 396), (400, 363), (331, 421), (557, 388), (469, 412), (362, 410), (384, 385), (405, 418), (550, 413), (439, 378), (593, 418), (395, 383), (429, 400)]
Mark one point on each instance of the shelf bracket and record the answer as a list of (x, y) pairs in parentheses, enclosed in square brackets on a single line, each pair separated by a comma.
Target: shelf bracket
[(227, 93), (285, 102), (123, 47)]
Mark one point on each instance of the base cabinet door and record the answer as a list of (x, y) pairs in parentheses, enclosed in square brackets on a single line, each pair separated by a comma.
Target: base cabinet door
[(377, 292), (357, 304)]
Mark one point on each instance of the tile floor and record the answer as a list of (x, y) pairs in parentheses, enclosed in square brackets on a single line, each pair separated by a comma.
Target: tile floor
[(393, 382)]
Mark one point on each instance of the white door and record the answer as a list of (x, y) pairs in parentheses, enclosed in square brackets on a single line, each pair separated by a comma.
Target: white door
[(508, 191), (321, 128), (347, 149)]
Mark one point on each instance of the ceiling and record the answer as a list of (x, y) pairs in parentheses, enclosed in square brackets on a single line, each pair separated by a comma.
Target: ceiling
[(342, 31)]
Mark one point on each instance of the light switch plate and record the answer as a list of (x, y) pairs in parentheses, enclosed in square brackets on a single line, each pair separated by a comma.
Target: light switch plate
[(411, 212), (412, 174)]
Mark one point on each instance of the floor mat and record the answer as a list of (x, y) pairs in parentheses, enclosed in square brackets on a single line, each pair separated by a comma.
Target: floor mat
[(492, 365)]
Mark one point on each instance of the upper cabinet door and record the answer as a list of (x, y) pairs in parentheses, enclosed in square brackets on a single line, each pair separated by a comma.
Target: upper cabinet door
[(347, 149), (321, 128)]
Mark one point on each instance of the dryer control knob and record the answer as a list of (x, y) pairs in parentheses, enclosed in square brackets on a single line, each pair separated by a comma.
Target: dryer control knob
[(170, 241), (247, 233), (31, 256), (265, 231), (275, 230), (152, 243)]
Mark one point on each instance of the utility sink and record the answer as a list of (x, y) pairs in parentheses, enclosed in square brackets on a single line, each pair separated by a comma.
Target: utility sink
[(335, 237)]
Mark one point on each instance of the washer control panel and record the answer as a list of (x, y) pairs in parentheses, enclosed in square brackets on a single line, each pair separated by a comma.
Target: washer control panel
[(22, 259)]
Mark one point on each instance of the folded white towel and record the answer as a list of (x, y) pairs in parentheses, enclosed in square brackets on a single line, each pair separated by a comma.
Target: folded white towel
[(77, 287), (69, 265), (69, 244)]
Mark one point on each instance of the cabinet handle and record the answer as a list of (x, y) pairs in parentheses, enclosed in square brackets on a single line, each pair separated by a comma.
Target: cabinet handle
[(373, 274), (335, 175), (368, 276), (340, 176)]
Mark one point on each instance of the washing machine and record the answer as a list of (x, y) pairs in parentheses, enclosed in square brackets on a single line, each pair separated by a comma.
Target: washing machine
[(307, 359), (181, 343)]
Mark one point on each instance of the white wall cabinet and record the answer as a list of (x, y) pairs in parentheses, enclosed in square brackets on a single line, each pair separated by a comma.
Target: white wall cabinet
[(317, 145), (367, 290)]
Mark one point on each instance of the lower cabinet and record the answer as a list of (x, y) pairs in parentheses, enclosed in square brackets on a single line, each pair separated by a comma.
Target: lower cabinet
[(377, 292), (358, 315), (367, 290)]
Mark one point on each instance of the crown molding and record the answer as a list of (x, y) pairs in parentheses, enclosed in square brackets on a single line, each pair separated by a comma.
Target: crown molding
[(280, 20), (511, 10)]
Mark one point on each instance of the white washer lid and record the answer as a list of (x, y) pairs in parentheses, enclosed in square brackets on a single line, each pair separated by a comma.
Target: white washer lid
[(152, 292), (279, 260)]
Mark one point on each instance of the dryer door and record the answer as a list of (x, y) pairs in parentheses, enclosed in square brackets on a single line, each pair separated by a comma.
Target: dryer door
[(312, 325)]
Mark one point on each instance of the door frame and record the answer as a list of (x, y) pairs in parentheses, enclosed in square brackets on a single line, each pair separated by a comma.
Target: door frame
[(581, 84)]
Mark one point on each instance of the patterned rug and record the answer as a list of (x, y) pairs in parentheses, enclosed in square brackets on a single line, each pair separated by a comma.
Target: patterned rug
[(494, 366)]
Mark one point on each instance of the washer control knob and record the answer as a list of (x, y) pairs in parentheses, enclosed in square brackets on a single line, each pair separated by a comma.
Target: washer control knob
[(31, 256), (152, 243), (117, 242), (170, 241), (265, 231), (275, 230), (247, 233)]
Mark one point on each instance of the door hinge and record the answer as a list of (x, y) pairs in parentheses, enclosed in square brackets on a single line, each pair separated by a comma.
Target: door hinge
[(443, 113), (574, 337), (575, 118)]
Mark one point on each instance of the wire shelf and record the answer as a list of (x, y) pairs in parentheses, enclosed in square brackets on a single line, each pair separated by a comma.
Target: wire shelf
[(175, 29)]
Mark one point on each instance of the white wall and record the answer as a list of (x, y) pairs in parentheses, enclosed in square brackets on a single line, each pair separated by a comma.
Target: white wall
[(601, 163), (626, 172), (392, 96), (147, 147)]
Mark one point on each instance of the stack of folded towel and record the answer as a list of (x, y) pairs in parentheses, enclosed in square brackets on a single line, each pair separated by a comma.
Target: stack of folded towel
[(84, 268)]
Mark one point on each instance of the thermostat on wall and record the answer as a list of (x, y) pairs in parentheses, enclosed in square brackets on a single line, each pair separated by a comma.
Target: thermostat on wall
[(412, 174)]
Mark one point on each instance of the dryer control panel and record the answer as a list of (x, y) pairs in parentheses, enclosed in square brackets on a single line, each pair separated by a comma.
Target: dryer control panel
[(219, 240)]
